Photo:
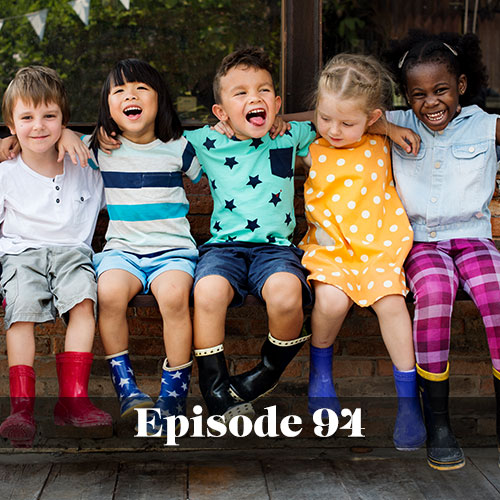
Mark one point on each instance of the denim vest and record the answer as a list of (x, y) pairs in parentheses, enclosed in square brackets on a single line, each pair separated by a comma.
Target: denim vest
[(447, 187)]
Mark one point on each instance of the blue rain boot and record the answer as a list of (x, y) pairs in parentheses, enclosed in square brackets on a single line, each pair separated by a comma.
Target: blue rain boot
[(409, 429), (321, 389), (123, 378), (173, 393)]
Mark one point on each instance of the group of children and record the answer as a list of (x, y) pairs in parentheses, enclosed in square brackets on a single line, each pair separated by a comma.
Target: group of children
[(365, 230)]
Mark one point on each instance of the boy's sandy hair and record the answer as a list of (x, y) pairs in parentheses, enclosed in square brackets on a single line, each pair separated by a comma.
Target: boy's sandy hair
[(250, 57), (355, 76), (37, 84)]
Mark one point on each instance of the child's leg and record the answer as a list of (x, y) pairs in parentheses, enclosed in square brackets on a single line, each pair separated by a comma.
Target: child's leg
[(172, 289), (433, 279), (282, 293), (81, 327), (19, 427), (330, 309), (278, 277), (212, 296), (115, 289), (395, 325)]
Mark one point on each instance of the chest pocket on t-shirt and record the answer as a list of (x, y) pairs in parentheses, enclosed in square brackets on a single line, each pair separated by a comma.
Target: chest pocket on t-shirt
[(81, 207), (281, 162)]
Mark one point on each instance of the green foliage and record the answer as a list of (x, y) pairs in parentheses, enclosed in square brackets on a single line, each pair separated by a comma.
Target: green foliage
[(184, 39)]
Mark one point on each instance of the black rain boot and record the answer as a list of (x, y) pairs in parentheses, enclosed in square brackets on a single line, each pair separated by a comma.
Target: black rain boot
[(443, 450), (263, 378), (496, 383), (214, 385)]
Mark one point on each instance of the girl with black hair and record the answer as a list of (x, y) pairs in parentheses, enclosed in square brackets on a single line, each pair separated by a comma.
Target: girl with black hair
[(148, 242), (446, 189)]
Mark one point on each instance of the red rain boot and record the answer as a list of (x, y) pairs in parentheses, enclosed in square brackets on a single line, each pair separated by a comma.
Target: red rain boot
[(20, 426), (74, 406)]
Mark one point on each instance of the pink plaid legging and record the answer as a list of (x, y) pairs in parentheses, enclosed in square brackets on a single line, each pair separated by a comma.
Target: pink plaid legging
[(434, 271)]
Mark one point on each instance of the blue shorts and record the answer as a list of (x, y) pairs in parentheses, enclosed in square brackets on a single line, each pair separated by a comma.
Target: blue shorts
[(248, 266), (147, 268)]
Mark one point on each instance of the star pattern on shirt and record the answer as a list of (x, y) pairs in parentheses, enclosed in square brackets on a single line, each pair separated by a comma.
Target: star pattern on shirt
[(217, 226), (230, 204), (256, 143), (271, 239), (252, 225), (289, 132), (253, 181), (275, 198), (288, 219), (231, 162), (312, 127), (209, 144), (230, 239), (213, 185)]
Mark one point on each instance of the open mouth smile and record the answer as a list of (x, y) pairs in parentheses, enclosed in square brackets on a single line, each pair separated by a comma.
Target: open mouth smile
[(435, 117), (257, 117), (132, 112)]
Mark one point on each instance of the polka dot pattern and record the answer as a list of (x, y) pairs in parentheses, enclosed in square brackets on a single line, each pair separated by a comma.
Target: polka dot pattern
[(358, 232)]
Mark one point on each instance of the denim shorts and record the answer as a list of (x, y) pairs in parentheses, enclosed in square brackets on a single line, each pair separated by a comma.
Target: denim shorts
[(147, 268), (248, 266), (38, 284)]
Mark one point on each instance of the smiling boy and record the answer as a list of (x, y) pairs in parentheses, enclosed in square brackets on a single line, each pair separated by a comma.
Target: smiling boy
[(251, 179), (48, 211)]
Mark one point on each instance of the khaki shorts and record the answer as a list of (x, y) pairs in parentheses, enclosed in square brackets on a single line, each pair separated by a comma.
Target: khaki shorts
[(41, 283)]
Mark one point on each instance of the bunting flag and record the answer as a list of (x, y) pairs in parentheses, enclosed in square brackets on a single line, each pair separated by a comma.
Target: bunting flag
[(125, 3), (1, 23), (82, 8), (37, 20)]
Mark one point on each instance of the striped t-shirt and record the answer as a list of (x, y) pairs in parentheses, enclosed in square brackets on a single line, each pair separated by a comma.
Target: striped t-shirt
[(145, 196)]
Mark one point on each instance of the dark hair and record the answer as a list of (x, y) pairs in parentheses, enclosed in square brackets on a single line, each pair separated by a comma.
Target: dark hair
[(251, 57), (460, 53), (167, 123)]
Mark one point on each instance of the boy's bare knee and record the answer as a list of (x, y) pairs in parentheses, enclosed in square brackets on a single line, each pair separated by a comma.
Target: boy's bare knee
[(212, 293)]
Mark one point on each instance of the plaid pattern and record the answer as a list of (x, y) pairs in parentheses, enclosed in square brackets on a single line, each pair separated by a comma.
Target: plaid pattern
[(434, 271)]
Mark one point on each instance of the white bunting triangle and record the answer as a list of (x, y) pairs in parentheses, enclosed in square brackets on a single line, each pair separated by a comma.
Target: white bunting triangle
[(126, 3), (82, 8), (1, 23), (37, 20)]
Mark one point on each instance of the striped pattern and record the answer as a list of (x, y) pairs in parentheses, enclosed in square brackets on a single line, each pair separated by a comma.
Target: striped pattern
[(145, 196), (434, 272)]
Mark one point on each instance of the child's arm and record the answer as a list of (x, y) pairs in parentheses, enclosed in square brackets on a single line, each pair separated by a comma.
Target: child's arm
[(107, 143), (404, 137), (9, 148), (70, 143)]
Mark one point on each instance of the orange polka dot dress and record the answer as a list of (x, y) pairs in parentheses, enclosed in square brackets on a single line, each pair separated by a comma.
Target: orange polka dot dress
[(358, 233)]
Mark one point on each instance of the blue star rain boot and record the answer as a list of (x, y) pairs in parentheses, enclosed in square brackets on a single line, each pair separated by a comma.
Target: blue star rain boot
[(123, 379)]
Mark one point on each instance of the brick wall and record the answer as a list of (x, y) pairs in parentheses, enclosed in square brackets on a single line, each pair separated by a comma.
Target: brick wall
[(361, 366)]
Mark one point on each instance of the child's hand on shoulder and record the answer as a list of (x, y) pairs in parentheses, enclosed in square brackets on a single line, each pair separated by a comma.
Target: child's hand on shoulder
[(279, 127), (9, 148), (404, 137), (107, 142), (70, 143), (223, 128)]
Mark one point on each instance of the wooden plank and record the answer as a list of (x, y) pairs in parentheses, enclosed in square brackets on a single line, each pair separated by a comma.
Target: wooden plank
[(299, 479), (151, 481), (227, 481), (412, 478), (81, 481), (22, 482), (379, 479), (489, 468)]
